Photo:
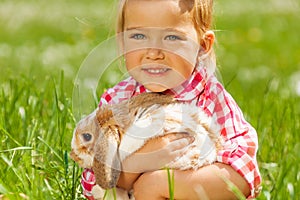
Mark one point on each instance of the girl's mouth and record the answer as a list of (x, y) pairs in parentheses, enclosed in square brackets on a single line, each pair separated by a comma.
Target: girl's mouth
[(155, 70)]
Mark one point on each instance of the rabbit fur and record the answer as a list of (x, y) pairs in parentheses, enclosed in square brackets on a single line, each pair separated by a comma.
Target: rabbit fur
[(107, 136)]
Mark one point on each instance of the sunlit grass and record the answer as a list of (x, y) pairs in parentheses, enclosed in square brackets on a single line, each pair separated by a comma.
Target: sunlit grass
[(35, 134), (258, 58)]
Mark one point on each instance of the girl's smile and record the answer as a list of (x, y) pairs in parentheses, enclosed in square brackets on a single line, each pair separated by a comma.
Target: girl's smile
[(161, 45), (156, 71)]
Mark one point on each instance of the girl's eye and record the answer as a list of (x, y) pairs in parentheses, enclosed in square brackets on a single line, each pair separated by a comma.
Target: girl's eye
[(172, 37), (138, 36), (87, 137)]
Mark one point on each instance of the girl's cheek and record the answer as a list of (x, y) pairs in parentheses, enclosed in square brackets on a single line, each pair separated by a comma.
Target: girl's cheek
[(134, 59)]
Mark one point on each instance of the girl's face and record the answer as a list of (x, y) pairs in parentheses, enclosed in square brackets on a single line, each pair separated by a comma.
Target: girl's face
[(160, 43)]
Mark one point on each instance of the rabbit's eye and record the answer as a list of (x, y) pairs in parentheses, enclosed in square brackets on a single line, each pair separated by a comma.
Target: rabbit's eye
[(87, 137)]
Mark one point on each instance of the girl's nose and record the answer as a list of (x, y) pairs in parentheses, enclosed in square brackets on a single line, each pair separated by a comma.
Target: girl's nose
[(154, 54)]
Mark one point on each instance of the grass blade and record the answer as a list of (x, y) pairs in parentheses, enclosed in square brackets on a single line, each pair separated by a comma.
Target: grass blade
[(171, 183), (16, 149)]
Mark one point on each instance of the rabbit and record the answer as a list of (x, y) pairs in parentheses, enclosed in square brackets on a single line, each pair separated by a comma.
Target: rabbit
[(111, 133)]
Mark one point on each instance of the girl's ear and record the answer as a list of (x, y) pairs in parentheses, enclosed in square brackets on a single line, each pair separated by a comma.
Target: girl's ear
[(207, 41)]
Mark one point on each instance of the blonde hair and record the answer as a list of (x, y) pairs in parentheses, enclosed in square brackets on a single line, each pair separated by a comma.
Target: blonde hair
[(202, 17)]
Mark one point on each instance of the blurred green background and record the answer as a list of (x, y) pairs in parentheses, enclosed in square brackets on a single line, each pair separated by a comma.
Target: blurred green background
[(44, 43)]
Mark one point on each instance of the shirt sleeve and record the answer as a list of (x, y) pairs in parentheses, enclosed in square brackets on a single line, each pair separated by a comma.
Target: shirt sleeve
[(88, 181), (241, 142)]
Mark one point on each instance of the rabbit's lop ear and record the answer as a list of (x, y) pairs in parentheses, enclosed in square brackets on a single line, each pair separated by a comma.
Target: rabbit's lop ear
[(106, 164)]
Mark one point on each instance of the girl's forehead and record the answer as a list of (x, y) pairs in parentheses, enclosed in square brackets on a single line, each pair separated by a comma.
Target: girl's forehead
[(175, 6), (155, 13)]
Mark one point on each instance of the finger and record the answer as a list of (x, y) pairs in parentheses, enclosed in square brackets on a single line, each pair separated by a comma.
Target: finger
[(180, 143), (180, 152), (176, 136)]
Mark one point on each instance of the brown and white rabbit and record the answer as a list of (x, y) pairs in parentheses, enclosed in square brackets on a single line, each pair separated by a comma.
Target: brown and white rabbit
[(106, 137)]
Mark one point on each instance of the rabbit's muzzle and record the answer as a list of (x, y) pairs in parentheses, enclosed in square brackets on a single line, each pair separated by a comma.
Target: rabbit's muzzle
[(75, 157)]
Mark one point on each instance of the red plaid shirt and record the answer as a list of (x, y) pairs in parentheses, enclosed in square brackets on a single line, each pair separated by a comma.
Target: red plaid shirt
[(205, 91)]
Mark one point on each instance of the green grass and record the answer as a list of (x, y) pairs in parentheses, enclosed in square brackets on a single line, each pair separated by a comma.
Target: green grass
[(43, 43), (171, 183), (35, 141)]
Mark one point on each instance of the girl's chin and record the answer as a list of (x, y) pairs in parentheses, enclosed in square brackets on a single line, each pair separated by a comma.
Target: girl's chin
[(156, 87)]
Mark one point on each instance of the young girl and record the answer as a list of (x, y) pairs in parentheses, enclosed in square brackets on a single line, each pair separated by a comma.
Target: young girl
[(168, 48)]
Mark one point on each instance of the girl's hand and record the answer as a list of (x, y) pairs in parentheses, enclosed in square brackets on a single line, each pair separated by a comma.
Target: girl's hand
[(154, 155), (157, 152)]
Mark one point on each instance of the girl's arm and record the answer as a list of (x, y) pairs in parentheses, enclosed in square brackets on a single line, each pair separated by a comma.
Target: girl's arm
[(205, 183), (154, 155)]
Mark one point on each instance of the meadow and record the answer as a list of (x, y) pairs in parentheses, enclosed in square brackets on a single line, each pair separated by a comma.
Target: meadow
[(44, 44)]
